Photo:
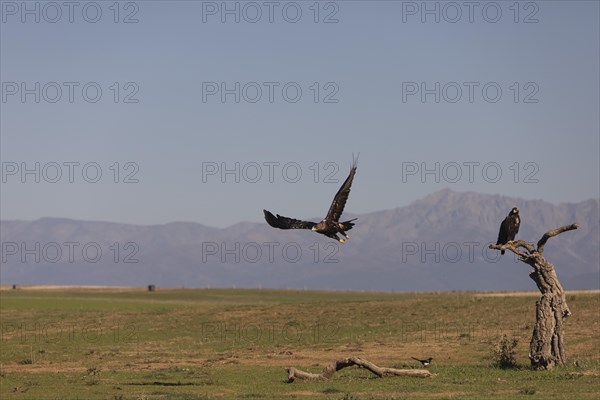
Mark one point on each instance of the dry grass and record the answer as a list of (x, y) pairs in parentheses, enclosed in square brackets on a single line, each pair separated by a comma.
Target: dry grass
[(235, 343)]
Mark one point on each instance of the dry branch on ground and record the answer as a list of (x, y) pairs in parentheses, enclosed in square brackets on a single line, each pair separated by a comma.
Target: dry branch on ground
[(294, 373)]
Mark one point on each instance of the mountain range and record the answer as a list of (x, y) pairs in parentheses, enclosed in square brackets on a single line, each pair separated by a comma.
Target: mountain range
[(436, 243)]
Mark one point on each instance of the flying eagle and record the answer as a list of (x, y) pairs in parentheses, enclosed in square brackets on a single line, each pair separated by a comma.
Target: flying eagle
[(330, 225), (509, 228)]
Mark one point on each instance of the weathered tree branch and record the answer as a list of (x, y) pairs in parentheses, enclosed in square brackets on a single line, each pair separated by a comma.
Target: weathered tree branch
[(547, 341), (542, 242), (294, 373), (515, 245)]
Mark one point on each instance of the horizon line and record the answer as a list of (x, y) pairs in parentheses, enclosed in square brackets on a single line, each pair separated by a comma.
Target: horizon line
[(251, 222)]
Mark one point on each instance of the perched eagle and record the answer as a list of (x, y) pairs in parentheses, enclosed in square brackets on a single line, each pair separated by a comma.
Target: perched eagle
[(330, 226), (509, 228)]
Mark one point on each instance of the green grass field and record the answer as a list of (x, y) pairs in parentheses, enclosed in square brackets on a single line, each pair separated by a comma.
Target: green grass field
[(234, 344)]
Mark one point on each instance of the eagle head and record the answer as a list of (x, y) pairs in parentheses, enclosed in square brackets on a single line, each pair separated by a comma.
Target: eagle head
[(514, 211)]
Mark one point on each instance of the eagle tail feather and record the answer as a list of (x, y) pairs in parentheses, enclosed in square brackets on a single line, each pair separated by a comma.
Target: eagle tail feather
[(347, 225)]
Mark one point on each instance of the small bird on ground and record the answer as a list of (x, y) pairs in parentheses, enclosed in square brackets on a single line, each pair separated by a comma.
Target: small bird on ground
[(425, 362)]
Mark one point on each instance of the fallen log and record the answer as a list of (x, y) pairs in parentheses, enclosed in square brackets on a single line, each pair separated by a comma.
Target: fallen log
[(295, 373)]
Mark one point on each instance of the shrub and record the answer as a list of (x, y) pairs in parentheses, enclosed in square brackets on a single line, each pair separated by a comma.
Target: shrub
[(503, 353)]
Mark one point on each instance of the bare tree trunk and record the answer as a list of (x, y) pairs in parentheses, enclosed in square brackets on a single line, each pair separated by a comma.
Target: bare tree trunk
[(294, 373), (547, 346)]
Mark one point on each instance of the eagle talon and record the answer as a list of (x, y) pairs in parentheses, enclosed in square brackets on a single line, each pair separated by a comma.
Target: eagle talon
[(342, 241)]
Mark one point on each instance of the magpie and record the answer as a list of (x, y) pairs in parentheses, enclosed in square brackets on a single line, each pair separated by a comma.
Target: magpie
[(425, 362)]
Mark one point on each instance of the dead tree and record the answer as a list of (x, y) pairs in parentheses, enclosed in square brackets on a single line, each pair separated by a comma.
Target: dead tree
[(547, 346), (294, 373)]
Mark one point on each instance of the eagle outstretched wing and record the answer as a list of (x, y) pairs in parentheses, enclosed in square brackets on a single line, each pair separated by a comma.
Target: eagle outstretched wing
[(282, 222), (339, 201)]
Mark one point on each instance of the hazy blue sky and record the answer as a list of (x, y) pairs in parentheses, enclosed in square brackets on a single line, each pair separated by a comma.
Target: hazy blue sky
[(369, 74)]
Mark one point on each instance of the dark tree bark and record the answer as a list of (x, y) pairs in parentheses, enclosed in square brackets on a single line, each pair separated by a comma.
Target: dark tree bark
[(547, 346), (294, 373)]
